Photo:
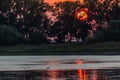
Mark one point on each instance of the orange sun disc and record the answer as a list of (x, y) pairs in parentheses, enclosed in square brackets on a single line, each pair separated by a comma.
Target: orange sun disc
[(82, 14)]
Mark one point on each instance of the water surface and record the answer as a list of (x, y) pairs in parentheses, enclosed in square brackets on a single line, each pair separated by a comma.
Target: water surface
[(59, 67)]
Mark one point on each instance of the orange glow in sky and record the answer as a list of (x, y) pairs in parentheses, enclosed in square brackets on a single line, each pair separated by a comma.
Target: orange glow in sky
[(53, 1)]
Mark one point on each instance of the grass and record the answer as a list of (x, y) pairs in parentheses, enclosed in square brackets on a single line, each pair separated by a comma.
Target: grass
[(106, 48)]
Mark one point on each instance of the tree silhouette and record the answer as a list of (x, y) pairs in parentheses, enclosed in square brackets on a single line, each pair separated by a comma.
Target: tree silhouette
[(27, 15), (65, 12)]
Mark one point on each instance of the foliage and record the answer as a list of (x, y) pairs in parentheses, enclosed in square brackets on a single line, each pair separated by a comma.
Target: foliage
[(28, 16), (103, 10), (68, 24), (25, 14), (112, 33), (10, 36)]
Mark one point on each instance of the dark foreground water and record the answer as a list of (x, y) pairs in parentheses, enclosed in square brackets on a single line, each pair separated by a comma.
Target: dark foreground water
[(80, 74), (59, 67)]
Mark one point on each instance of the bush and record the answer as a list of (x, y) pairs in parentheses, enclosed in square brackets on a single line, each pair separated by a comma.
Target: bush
[(10, 36), (37, 38), (112, 33)]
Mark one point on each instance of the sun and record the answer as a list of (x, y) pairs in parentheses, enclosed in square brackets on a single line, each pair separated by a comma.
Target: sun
[(82, 14)]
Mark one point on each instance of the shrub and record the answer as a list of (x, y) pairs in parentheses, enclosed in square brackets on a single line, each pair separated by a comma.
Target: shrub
[(10, 36)]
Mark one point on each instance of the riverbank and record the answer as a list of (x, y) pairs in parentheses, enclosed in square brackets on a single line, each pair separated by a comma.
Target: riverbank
[(106, 48)]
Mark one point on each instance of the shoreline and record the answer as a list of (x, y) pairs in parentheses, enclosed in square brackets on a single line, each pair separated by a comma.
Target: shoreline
[(106, 48)]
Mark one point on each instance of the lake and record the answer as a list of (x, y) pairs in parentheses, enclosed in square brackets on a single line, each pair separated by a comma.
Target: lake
[(60, 67)]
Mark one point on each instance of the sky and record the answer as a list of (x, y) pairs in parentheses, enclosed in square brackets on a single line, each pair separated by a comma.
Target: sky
[(53, 1)]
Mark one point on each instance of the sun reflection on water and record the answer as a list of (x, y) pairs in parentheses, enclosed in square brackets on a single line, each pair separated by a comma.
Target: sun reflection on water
[(79, 74)]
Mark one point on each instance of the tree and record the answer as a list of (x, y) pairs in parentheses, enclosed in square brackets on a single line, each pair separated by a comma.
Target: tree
[(68, 23), (27, 15)]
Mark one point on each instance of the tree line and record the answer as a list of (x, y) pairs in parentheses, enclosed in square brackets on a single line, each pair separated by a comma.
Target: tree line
[(32, 21)]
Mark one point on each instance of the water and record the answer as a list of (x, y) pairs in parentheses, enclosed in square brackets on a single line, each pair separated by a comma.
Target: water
[(59, 67)]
